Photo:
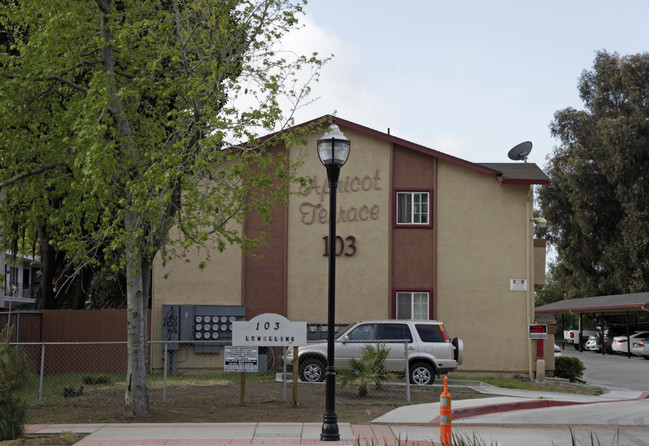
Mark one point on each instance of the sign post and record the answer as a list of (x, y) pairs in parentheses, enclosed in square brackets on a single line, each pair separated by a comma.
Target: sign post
[(241, 359), (539, 332)]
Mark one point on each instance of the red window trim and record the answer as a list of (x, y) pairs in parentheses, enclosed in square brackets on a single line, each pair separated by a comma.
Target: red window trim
[(413, 290), (412, 225)]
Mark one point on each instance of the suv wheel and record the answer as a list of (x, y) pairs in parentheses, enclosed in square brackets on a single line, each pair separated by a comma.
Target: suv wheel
[(421, 374), (312, 370)]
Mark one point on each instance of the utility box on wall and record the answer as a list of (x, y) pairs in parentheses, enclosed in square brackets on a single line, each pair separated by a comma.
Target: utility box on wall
[(199, 323)]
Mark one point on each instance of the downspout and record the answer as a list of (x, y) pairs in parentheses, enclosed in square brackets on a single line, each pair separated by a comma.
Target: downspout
[(529, 253)]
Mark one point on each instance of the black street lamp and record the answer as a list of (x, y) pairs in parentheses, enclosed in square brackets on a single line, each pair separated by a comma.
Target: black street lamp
[(333, 150)]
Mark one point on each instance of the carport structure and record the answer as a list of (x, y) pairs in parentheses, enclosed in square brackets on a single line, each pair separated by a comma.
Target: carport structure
[(618, 304)]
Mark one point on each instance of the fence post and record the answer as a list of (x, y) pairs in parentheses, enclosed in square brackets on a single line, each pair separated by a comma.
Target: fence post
[(40, 380), (405, 350), (284, 373), (164, 381)]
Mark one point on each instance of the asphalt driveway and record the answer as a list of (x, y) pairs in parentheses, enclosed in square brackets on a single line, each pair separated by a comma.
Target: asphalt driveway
[(612, 370)]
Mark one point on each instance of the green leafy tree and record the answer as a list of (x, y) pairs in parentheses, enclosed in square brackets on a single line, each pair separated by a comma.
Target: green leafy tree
[(596, 204), (551, 291), (140, 116)]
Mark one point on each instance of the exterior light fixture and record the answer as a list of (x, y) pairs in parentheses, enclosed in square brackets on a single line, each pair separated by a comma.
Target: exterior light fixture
[(540, 221), (333, 151)]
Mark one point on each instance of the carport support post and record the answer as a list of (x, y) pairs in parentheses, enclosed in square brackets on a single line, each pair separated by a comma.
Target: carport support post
[(581, 332), (628, 337), (603, 340)]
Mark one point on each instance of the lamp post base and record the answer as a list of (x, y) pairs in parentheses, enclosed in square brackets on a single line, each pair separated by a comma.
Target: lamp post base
[(330, 417), (330, 427)]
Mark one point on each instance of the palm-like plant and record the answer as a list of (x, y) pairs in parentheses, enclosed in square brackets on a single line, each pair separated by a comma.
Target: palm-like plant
[(370, 368)]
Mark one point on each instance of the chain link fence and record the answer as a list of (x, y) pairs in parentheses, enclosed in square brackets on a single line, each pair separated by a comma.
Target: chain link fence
[(372, 372), (378, 369)]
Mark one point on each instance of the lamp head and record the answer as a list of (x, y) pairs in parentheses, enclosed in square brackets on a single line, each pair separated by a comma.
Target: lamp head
[(333, 147)]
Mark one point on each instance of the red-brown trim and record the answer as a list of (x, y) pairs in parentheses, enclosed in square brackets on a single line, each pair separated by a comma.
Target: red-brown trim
[(412, 225), (597, 309), (244, 230), (431, 299), (413, 146), (391, 234), (524, 181), (322, 121), (285, 253), (434, 253), (540, 243)]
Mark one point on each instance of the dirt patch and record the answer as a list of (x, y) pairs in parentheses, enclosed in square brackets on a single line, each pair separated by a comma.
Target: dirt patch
[(62, 439), (264, 402)]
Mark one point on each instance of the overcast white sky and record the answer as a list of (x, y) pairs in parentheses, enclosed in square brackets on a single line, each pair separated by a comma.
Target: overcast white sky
[(470, 78)]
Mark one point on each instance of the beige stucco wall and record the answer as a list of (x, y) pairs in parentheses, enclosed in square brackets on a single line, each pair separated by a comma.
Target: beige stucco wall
[(483, 229), (219, 283), (362, 278), (484, 240)]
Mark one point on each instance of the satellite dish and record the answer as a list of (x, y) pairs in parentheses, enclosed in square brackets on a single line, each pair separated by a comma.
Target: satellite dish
[(520, 152)]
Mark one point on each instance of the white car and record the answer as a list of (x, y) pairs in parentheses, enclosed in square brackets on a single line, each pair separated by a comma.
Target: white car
[(426, 344), (592, 344), (557, 351), (640, 347), (620, 344)]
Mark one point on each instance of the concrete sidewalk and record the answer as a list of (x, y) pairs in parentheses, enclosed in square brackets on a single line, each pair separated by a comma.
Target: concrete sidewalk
[(520, 417), (221, 434)]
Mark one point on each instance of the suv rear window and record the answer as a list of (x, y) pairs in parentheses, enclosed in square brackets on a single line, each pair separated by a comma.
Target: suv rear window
[(395, 332), (431, 333)]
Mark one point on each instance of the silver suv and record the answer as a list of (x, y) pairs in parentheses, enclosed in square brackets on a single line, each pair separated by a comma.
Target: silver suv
[(430, 351)]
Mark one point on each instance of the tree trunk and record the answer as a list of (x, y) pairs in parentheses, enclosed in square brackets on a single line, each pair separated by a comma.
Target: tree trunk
[(49, 263), (136, 398), (82, 282)]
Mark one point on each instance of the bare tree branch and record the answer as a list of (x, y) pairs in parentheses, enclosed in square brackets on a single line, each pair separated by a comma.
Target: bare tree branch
[(29, 174), (54, 77)]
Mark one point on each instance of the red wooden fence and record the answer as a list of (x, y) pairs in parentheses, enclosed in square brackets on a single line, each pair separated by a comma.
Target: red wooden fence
[(72, 327)]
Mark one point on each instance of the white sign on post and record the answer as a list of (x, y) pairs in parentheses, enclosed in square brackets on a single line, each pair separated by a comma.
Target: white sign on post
[(268, 330), (241, 359)]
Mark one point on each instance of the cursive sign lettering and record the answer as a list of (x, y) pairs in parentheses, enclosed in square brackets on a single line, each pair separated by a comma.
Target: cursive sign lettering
[(316, 213)]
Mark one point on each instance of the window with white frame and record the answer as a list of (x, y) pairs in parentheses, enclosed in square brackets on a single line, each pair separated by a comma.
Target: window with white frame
[(413, 208), (413, 305)]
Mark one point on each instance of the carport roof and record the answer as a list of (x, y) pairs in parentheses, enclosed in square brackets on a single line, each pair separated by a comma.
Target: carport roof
[(599, 304)]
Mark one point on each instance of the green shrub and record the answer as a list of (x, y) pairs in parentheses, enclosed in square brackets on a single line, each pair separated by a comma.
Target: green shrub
[(92, 380), (15, 379), (569, 368)]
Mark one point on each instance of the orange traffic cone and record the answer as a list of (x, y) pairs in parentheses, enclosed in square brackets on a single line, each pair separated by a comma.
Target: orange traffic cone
[(445, 415)]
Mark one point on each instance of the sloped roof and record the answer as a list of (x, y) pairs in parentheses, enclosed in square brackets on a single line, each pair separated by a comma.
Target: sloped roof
[(599, 304), (506, 173), (519, 173)]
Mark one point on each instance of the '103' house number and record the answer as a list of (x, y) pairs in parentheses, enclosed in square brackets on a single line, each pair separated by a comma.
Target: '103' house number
[(346, 246)]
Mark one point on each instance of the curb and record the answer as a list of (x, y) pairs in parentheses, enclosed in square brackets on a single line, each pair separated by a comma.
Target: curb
[(468, 412)]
